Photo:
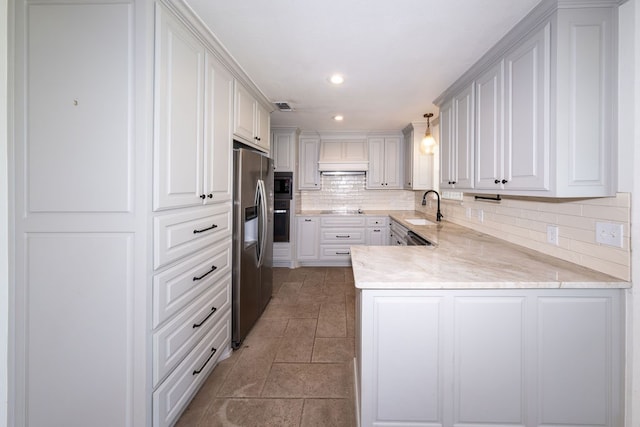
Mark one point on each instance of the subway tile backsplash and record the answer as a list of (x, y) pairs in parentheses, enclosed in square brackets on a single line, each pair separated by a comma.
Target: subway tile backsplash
[(524, 221), (348, 192)]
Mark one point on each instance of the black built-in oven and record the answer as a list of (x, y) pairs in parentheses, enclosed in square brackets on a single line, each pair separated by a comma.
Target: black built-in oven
[(281, 220), (283, 185), (283, 193)]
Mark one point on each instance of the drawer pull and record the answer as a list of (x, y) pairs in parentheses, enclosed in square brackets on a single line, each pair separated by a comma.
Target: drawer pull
[(307, 220), (197, 371), (197, 325), (343, 253), (376, 231), (205, 229), (213, 268), (338, 236)]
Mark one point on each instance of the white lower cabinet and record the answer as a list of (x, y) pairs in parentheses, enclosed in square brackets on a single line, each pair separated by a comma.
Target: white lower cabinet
[(307, 238), (490, 357), (170, 399), (326, 240), (377, 232)]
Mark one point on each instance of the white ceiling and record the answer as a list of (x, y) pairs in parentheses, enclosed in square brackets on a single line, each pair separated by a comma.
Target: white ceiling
[(397, 56)]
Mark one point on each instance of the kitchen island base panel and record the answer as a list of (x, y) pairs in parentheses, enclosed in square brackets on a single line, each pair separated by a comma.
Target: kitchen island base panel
[(494, 357)]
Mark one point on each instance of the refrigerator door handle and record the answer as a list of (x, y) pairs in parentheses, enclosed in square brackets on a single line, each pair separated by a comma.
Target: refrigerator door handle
[(262, 209)]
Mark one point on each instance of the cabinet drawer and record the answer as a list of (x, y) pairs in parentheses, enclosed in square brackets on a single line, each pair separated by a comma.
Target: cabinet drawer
[(177, 235), (378, 221), (342, 235), (335, 252), (173, 341), (342, 221), (176, 287), (174, 394)]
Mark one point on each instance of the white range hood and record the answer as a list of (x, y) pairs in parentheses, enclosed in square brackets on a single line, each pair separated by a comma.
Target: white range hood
[(343, 157)]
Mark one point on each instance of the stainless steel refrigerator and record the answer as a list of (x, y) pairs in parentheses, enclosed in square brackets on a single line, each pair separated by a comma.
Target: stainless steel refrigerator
[(252, 239)]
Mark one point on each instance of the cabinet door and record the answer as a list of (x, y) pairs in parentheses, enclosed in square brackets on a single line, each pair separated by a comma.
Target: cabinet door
[(282, 152), (488, 129), (375, 174), (377, 236), (447, 148), (307, 238), (179, 112), (404, 387), (243, 122), (407, 182), (526, 144), (464, 125), (392, 168), (262, 132), (308, 175), (218, 139)]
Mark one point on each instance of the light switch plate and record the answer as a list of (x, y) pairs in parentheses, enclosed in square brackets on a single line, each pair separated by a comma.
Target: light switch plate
[(553, 235), (609, 233)]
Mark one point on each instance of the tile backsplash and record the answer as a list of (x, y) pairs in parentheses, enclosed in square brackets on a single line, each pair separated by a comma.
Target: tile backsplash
[(349, 192), (524, 221)]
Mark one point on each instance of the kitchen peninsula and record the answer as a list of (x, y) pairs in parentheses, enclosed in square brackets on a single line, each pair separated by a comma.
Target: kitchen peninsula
[(475, 330)]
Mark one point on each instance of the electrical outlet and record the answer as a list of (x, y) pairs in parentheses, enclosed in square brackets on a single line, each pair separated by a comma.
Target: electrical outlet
[(552, 234), (609, 233)]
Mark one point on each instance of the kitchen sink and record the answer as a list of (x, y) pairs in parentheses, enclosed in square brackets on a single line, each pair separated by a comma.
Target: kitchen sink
[(419, 221)]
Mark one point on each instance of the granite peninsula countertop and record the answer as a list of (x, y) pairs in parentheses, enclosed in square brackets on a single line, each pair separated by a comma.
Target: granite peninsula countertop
[(462, 258)]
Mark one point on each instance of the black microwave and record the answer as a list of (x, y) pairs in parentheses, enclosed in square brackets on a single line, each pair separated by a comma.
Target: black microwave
[(283, 185)]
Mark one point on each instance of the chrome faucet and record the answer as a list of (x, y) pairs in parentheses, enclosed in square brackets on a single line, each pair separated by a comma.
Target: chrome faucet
[(424, 202)]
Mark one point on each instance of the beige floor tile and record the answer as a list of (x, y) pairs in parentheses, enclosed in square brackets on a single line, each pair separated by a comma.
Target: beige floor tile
[(301, 328), (288, 293), (330, 380), (295, 350), (335, 274), (332, 320), (305, 310), (278, 310), (248, 375), (333, 350), (266, 327), (254, 413), (328, 412)]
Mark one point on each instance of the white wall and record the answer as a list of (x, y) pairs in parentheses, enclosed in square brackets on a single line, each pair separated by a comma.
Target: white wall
[(4, 198)]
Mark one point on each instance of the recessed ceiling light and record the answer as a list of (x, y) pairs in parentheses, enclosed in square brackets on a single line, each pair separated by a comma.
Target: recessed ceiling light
[(338, 118), (337, 79)]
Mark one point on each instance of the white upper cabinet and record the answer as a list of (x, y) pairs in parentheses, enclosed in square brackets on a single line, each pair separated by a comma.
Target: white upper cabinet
[(511, 149), (308, 174), (544, 107), (418, 167), (456, 141), (488, 131), (283, 148), (384, 163), (526, 143), (194, 95), (251, 119)]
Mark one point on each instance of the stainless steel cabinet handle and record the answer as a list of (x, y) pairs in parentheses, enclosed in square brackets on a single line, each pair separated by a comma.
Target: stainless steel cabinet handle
[(342, 236), (343, 253), (307, 220)]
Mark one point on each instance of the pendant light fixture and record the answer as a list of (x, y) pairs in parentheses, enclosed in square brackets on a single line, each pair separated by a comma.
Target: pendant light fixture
[(426, 146)]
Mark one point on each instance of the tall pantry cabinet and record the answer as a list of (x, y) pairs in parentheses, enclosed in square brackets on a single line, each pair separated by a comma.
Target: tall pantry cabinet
[(121, 211)]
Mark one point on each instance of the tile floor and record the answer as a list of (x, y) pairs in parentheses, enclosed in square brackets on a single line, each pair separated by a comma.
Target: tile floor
[(295, 366)]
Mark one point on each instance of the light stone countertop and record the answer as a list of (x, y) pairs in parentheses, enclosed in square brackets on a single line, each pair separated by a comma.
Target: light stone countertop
[(462, 258)]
